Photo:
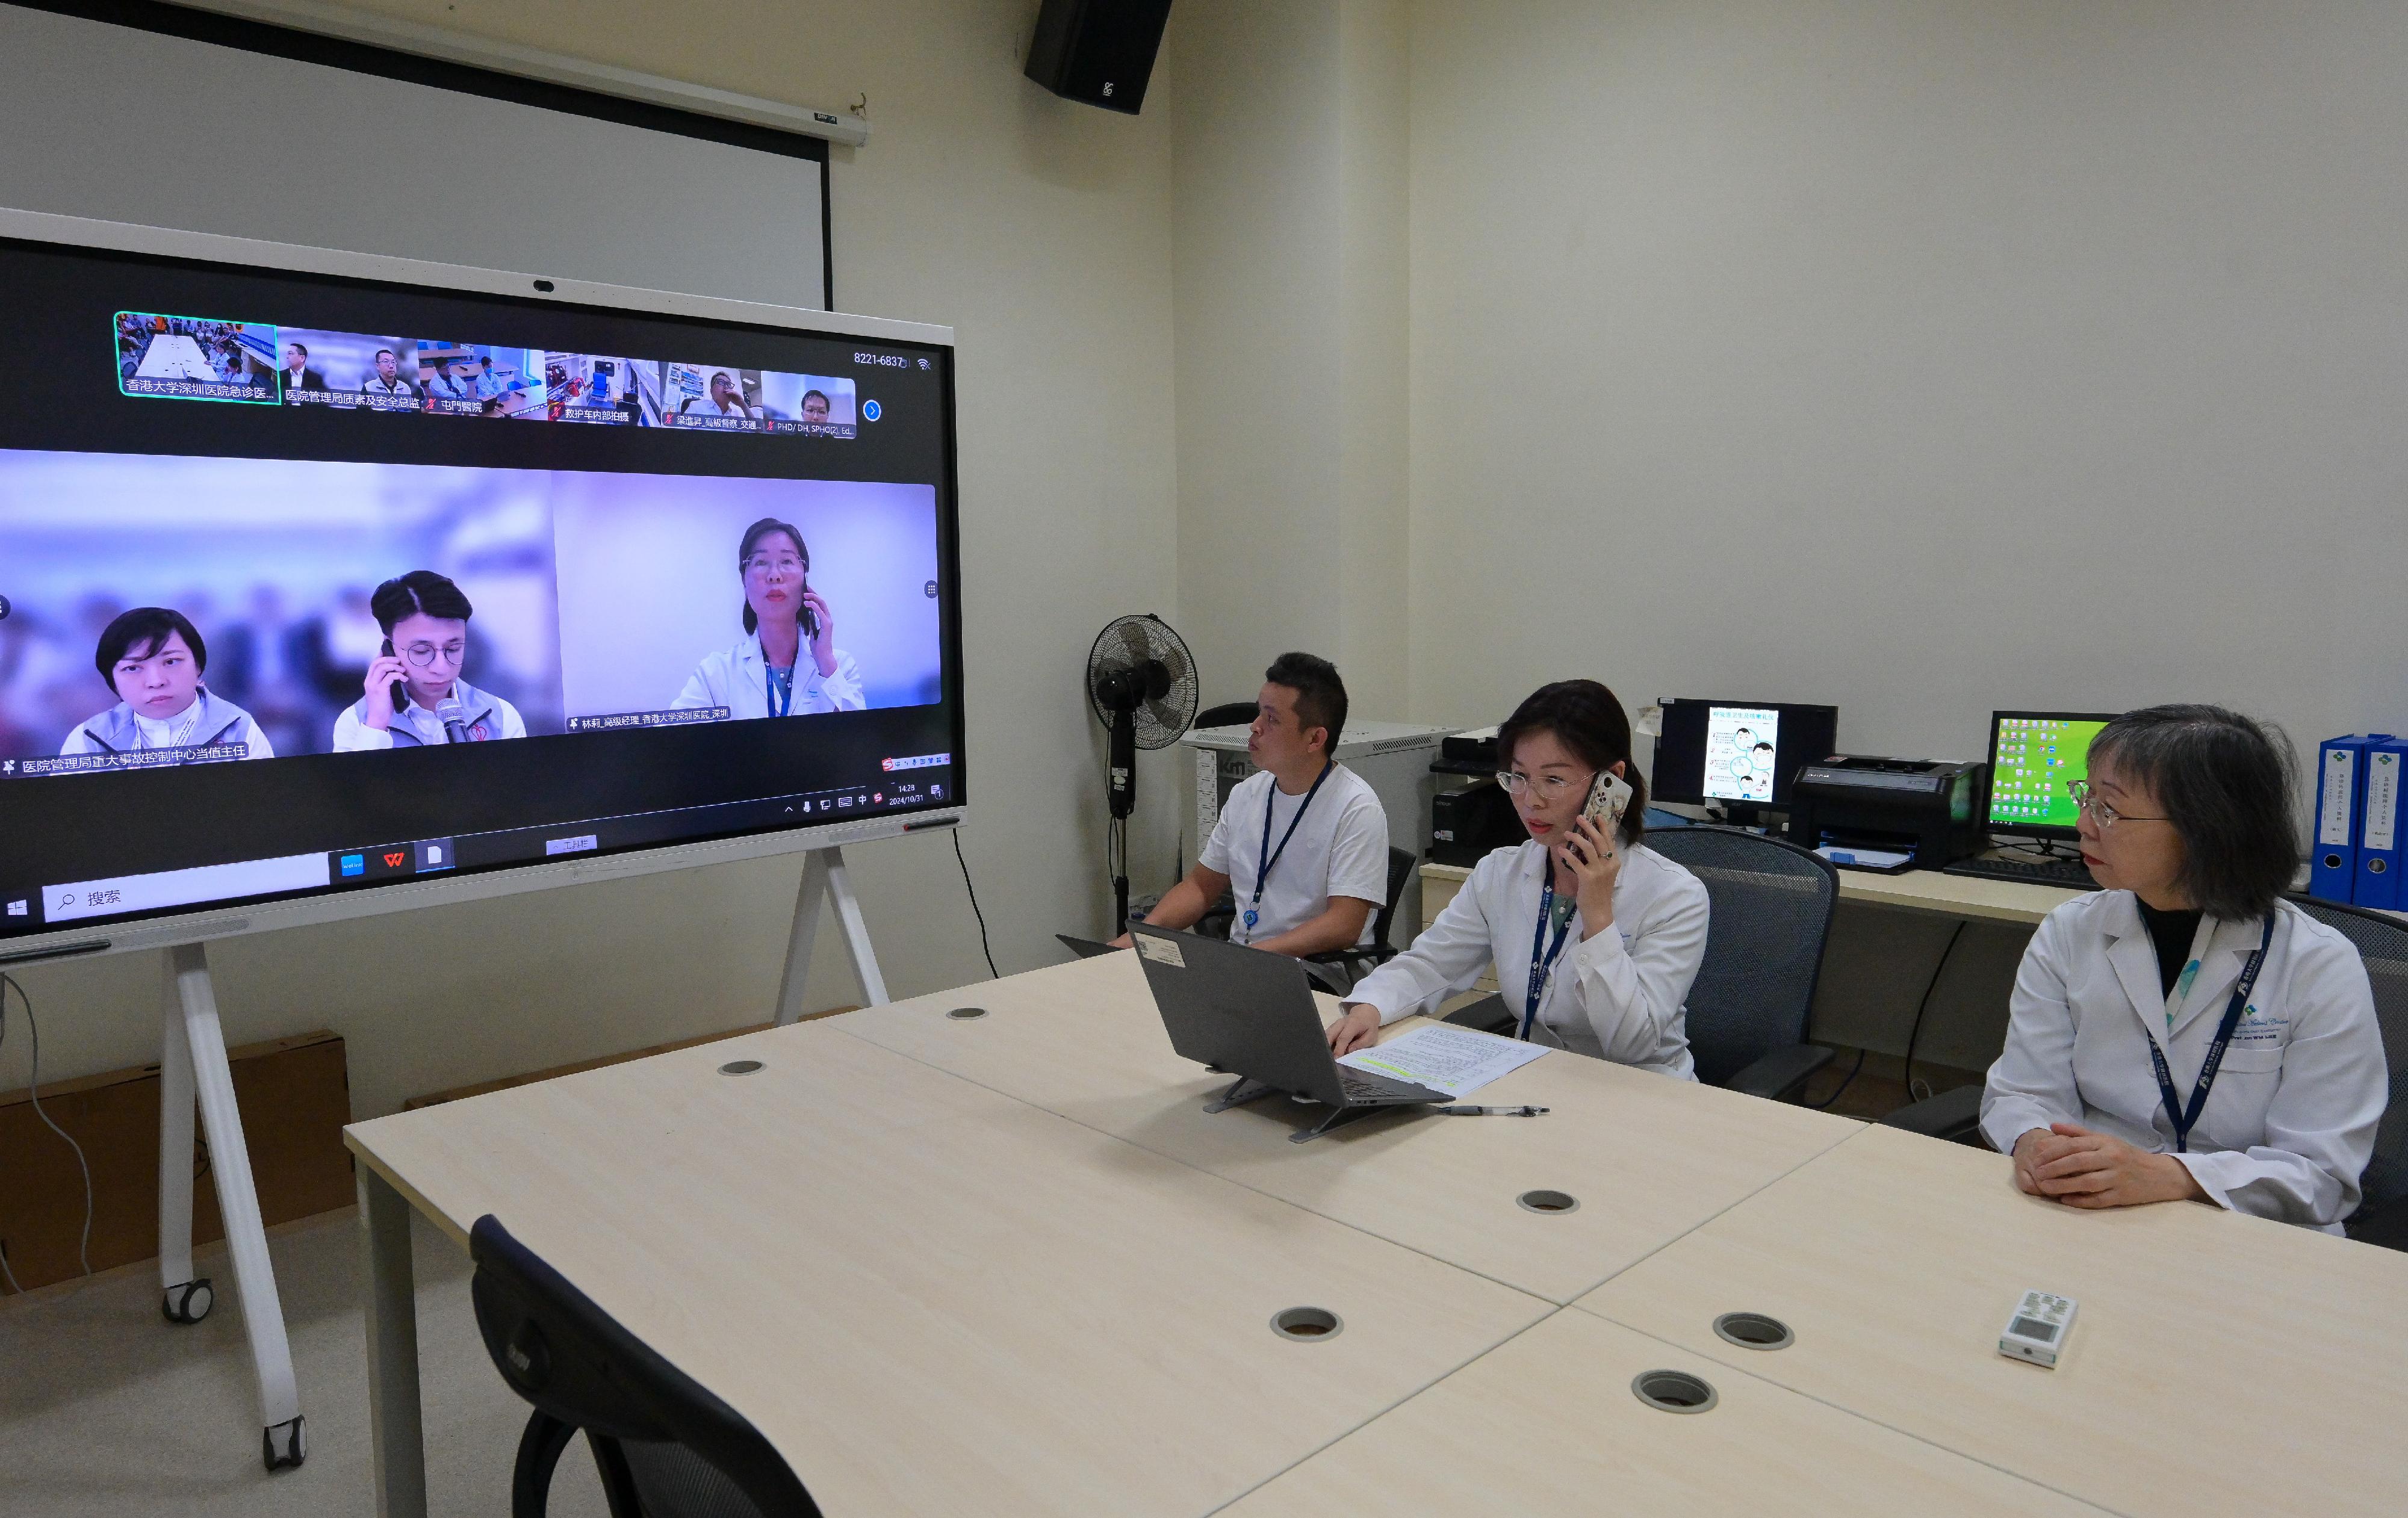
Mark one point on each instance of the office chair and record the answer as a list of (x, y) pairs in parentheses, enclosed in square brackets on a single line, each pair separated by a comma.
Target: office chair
[(1229, 714), (1748, 1008), (1358, 960), (2381, 942), (666, 1447)]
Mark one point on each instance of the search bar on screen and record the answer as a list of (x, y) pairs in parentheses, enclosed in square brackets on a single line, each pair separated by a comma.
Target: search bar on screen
[(183, 887)]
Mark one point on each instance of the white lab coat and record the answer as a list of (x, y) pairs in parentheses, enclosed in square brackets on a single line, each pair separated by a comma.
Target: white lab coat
[(1618, 995), (2290, 1121), (739, 679)]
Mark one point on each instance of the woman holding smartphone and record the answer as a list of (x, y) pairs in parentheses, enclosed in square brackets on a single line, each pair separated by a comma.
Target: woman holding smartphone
[(1594, 937), (788, 663)]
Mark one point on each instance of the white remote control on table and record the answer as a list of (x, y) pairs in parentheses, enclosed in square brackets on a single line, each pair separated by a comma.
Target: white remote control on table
[(2036, 1330)]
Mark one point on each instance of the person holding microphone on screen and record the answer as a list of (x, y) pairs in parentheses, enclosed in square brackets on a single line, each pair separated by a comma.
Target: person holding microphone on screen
[(787, 663), (415, 695)]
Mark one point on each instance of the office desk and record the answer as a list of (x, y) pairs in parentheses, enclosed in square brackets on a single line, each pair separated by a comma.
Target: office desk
[(1548, 1425), (1648, 1157), (2217, 1364), (930, 1297), (1920, 890)]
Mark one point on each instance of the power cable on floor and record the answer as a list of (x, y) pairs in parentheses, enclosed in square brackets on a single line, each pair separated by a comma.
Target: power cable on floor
[(984, 945), (34, 1093)]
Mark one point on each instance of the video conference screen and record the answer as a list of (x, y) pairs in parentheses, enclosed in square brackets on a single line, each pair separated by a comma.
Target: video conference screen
[(281, 613)]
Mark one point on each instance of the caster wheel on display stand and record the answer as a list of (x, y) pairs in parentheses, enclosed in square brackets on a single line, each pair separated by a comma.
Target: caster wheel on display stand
[(188, 1303), (285, 1445)]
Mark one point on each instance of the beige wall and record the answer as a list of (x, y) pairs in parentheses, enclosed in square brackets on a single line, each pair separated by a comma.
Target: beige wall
[(1289, 222), (1922, 356), (1040, 231)]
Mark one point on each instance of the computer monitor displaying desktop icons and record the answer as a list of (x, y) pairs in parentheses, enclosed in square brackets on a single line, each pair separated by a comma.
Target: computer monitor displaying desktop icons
[(1740, 753), (2034, 755)]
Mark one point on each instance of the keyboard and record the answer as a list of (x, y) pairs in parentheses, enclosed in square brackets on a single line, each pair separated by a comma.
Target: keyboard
[(1364, 1091), (2072, 874)]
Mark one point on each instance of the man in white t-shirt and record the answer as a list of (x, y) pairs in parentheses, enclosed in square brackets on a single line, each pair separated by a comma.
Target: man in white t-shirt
[(1303, 843)]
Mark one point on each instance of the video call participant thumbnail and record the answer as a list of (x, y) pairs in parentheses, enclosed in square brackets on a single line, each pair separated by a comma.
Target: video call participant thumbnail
[(298, 376), (788, 663), (415, 695), (152, 658), (1303, 842), (385, 378)]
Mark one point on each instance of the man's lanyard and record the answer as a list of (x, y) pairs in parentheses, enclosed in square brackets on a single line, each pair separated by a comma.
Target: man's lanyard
[(1270, 856), (779, 708), (2184, 1118), (1542, 954)]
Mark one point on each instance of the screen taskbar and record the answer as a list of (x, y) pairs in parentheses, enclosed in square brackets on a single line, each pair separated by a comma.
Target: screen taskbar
[(910, 785)]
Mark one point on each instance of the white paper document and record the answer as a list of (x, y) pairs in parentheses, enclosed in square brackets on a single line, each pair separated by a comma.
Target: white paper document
[(1457, 1061)]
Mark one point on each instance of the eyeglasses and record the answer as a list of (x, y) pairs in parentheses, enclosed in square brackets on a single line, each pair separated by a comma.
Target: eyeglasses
[(421, 654), (1550, 786), (762, 564), (2100, 813)]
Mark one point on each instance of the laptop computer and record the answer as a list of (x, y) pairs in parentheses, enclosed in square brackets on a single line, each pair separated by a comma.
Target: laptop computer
[(1084, 948), (1250, 1013)]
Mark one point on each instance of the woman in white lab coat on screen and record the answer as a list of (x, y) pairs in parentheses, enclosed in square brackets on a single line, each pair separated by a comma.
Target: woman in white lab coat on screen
[(1596, 938), (2110, 1092), (788, 663)]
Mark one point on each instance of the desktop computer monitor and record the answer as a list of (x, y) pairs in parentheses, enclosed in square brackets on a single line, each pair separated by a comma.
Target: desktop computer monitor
[(1744, 755), (2033, 755)]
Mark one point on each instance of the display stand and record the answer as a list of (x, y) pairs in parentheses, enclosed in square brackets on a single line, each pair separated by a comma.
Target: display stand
[(193, 1066), (823, 876)]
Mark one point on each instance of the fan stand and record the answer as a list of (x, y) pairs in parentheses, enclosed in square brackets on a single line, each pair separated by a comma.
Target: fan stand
[(823, 876)]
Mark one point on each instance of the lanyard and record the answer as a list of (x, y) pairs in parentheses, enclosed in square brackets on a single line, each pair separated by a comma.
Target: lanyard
[(1271, 856), (770, 678), (2184, 1118), (1542, 954)]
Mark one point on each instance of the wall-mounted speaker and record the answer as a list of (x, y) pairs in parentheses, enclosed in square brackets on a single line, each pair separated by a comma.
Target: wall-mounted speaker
[(1099, 52)]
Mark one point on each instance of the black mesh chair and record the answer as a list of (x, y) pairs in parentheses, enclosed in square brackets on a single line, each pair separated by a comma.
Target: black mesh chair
[(665, 1446), (1747, 1010), (2382, 941), (1772, 904), (1355, 961)]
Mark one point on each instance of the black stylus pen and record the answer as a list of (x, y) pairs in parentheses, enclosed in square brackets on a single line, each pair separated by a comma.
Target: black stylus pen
[(1494, 1111)]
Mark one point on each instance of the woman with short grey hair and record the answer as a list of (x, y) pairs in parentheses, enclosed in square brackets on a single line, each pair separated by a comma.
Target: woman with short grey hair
[(2184, 1033)]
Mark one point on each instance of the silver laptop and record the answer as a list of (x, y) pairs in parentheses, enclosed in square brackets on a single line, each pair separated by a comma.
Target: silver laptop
[(1250, 1013)]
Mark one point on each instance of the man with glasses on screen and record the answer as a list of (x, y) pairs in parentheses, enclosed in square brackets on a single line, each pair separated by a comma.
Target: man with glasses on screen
[(414, 692)]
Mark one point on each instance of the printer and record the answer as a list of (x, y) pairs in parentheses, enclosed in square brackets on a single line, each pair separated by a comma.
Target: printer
[(1934, 810), (1470, 821)]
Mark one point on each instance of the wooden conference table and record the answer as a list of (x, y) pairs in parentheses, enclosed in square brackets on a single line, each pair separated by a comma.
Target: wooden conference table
[(1006, 1264)]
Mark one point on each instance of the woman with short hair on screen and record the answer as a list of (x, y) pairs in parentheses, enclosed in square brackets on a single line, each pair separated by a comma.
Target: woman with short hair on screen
[(152, 658), (787, 663), (2185, 1034), (1595, 937), (415, 693)]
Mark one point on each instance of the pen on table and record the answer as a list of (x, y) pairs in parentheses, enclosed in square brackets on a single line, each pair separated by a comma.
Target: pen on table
[(1494, 1111)]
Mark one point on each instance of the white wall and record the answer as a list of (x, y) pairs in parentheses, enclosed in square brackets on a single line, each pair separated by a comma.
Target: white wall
[(1922, 356), (1040, 231), (1289, 230)]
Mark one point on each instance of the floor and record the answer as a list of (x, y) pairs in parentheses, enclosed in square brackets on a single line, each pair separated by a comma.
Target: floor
[(107, 1409)]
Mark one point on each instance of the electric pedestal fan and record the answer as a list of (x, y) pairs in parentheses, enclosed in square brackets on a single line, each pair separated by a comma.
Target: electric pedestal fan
[(1143, 683)]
